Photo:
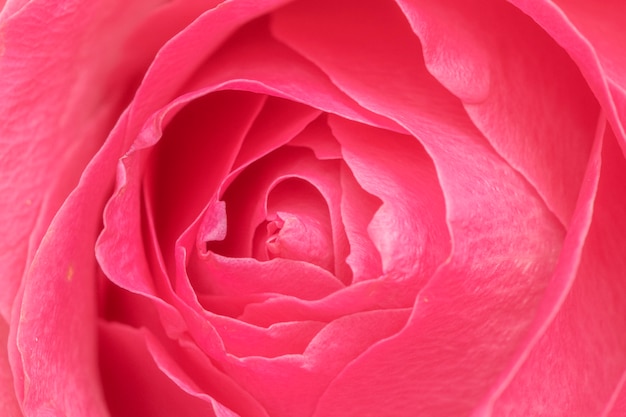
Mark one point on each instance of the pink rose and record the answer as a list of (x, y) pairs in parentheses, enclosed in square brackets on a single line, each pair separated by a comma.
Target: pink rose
[(312, 208)]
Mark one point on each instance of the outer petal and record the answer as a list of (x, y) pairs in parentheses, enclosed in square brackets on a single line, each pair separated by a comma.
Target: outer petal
[(518, 86), (54, 59), (8, 401), (594, 38), (582, 354)]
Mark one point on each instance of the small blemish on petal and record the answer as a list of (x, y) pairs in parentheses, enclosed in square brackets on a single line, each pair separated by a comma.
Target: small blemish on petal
[(70, 273)]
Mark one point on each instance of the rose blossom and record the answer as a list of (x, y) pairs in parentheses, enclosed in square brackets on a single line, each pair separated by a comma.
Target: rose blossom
[(312, 208)]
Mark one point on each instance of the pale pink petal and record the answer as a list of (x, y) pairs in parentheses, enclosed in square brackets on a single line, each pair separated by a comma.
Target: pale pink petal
[(519, 87)]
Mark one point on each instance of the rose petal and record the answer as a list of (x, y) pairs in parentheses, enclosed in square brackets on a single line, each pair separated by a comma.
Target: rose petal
[(545, 130), (180, 57), (595, 59), (231, 335), (242, 63), (198, 149), (590, 326), (131, 378), (505, 241), (319, 138), (409, 229), (616, 406), (55, 61), (53, 345), (276, 382), (8, 400), (608, 39), (246, 201), (374, 294)]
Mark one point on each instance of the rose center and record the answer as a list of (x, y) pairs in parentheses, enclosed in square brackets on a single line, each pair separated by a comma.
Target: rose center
[(297, 226)]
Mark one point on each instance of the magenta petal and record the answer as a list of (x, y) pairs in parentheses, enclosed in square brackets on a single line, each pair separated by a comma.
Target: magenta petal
[(522, 91), (582, 354)]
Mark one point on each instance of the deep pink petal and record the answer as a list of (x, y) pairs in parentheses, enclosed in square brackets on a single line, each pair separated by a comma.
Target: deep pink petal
[(277, 382), (242, 63), (246, 201), (505, 241), (373, 294), (409, 229), (358, 208), (195, 374), (8, 400), (582, 355), (616, 406), (55, 343), (603, 26), (592, 37), (279, 122), (319, 138), (197, 151), (519, 87), (241, 276), (227, 334), (55, 62), (357, 205), (133, 384), (180, 57), (564, 274)]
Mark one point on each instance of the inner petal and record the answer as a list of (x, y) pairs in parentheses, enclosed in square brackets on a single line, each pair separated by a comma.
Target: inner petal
[(297, 227)]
